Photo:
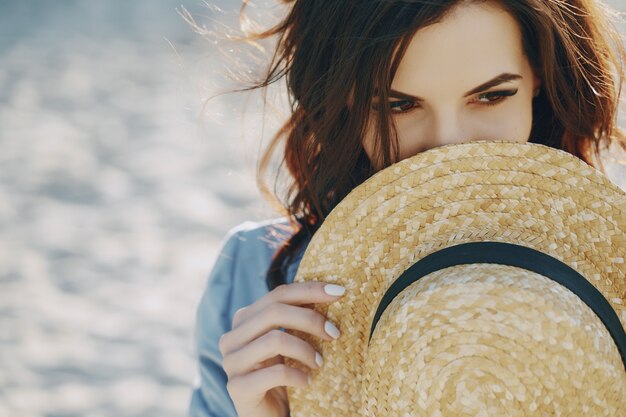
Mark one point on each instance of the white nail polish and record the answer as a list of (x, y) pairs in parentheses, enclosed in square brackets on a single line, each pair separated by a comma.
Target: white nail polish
[(318, 359), (332, 289), (331, 329)]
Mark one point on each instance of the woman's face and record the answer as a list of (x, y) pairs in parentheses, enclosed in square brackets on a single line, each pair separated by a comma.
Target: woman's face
[(465, 78)]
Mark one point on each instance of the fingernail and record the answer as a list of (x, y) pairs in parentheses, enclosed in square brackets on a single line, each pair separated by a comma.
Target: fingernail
[(331, 329), (332, 289), (318, 359), (308, 380)]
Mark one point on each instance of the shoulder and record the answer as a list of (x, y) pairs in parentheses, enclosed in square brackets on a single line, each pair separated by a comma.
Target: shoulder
[(238, 275), (256, 238)]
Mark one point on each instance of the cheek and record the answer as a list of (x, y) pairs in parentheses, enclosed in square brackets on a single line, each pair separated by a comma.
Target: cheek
[(510, 120), (518, 120), (412, 135)]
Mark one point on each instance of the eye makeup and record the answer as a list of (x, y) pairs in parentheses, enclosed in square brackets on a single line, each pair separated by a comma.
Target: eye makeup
[(497, 96), (492, 97), (409, 102)]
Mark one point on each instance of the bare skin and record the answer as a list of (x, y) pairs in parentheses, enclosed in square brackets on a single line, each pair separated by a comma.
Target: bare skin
[(482, 41), (254, 349)]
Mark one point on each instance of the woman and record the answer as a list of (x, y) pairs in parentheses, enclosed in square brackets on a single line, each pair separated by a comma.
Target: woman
[(374, 82)]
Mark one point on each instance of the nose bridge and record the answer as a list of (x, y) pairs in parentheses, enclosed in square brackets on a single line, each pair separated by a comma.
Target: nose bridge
[(447, 127)]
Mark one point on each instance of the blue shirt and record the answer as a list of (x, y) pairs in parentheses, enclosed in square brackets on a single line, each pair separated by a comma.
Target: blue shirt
[(236, 280)]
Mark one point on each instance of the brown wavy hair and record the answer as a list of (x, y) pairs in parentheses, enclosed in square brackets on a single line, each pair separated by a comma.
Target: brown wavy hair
[(335, 54)]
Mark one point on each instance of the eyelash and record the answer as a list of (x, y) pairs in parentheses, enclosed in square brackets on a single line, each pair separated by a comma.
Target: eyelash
[(499, 95)]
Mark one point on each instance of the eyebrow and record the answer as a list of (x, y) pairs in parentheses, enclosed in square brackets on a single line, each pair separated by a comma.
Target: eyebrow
[(497, 80)]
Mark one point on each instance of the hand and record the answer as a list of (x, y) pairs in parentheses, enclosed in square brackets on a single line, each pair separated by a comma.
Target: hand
[(253, 350)]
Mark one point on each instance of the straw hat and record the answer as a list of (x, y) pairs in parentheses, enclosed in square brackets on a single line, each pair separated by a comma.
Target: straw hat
[(482, 279)]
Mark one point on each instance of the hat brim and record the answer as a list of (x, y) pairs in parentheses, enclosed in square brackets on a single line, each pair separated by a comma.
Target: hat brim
[(522, 193)]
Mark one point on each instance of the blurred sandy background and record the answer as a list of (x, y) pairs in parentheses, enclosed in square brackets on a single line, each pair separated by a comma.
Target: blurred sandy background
[(115, 192)]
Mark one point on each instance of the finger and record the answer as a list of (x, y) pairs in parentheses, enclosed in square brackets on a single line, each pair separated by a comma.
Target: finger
[(251, 388), (274, 316), (275, 342), (299, 293)]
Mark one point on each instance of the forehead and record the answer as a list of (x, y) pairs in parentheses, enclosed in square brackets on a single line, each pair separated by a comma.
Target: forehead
[(471, 44)]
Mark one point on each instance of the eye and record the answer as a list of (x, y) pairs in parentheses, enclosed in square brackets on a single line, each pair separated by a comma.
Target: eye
[(402, 106), (396, 107), (494, 97)]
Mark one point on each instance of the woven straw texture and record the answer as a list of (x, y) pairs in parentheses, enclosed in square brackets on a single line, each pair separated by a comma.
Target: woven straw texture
[(469, 340)]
